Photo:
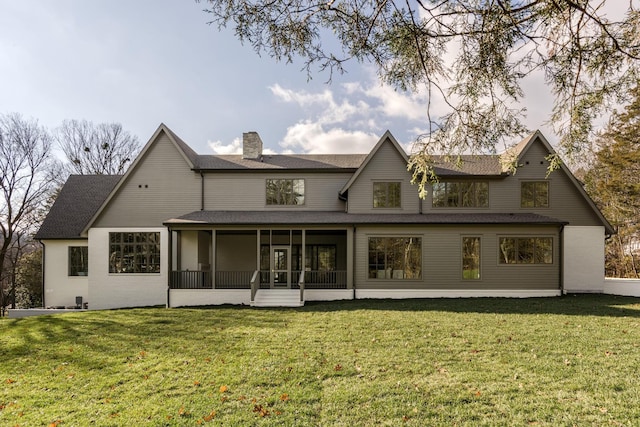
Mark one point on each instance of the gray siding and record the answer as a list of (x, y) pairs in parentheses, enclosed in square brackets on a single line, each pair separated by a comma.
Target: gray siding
[(247, 191), (386, 165), (565, 201), (442, 258), (160, 187)]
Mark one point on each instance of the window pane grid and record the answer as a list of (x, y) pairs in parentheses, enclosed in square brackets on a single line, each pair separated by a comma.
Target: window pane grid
[(386, 194), (395, 257), (534, 194), (134, 253), (460, 194), (78, 260), (471, 258), (285, 192), (526, 250)]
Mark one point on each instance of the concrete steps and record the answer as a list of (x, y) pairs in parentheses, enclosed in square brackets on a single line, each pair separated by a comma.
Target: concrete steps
[(277, 298)]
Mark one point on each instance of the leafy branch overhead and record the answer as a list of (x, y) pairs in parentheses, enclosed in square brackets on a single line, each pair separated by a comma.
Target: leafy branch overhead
[(470, 56)]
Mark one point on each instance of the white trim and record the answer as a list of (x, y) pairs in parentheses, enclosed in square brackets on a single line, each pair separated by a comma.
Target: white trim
[(626, 287), (195, 297), (327, 294), (454, 293)]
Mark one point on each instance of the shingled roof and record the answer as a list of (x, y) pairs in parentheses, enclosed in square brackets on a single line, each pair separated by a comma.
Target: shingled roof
[(280, 161), (78, 200), (335, 217)]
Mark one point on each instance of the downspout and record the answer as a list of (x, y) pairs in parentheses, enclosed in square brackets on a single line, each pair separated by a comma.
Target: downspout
[(561, 260), (353, 262), (201, 191), (170, 262), (43, 275)]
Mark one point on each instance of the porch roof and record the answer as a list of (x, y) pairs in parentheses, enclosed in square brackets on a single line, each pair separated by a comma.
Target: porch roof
[(321, 217)]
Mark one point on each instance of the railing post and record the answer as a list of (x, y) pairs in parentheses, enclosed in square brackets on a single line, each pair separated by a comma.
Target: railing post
[(255, 283), (301, 285)]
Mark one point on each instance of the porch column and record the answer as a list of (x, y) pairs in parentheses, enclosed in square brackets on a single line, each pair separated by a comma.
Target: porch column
[(350, 257), (212, 256)]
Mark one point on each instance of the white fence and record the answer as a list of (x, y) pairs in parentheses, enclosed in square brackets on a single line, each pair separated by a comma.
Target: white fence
[(626, 287)]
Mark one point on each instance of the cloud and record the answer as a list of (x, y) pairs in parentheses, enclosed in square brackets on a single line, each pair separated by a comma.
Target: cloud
[(311, 137), (351, 120), (330, 111), (234, 147), (219, 147)]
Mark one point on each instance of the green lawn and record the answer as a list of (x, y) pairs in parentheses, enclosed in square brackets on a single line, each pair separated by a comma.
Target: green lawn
[(557, 361)]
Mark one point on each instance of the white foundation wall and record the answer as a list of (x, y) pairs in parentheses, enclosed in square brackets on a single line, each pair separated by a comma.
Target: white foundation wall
[(107, 290), (60, 289), (583, 252)]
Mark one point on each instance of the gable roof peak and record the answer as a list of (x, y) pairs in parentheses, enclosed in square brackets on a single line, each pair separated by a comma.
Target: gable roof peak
[(387, 136)]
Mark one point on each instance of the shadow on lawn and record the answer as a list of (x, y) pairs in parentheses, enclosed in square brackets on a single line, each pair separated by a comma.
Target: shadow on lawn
[(574, 305)]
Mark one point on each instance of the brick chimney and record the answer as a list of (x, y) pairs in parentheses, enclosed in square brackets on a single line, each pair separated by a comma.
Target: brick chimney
[(251, 146)]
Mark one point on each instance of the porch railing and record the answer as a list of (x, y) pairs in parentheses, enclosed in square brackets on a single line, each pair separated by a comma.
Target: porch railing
[(234, 279), (197, 279), (321, 279), (190, 279)]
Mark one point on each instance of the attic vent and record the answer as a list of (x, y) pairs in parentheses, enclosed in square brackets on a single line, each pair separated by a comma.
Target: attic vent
[(251, 146)]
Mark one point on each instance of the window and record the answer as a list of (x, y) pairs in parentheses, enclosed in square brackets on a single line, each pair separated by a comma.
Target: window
[(534, 194), (526, 250), (285, 191), (395, 257), (386, 194), (78, 260), (460, 195), (471, 258), (134, 252)]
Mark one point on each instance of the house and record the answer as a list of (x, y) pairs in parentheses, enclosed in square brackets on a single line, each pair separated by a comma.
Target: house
[(185, 229)]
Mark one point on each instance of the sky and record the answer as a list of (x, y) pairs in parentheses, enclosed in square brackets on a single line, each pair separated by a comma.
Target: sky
[(146, 62)]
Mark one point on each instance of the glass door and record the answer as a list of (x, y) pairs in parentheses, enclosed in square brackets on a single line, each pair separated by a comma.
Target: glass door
[(280, 271)]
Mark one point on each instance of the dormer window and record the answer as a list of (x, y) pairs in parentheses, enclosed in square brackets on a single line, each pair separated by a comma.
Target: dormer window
[(386, 194), (288, 192)]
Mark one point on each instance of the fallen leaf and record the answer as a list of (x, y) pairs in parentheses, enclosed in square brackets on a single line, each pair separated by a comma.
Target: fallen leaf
[(224, 389), (261, 410), (211, 416), (284, 397), (196, 383), (338, 367), (10, 381)]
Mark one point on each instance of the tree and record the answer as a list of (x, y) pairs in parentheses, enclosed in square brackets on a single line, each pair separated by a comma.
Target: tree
[(473, 54), (614, 183), (90, 149), (29, 279), (25, 159)]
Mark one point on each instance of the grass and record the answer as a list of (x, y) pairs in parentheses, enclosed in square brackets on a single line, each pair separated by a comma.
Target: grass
[(557, 361)]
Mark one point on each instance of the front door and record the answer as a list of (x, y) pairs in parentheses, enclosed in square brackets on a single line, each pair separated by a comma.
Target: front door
[(280, 262)]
